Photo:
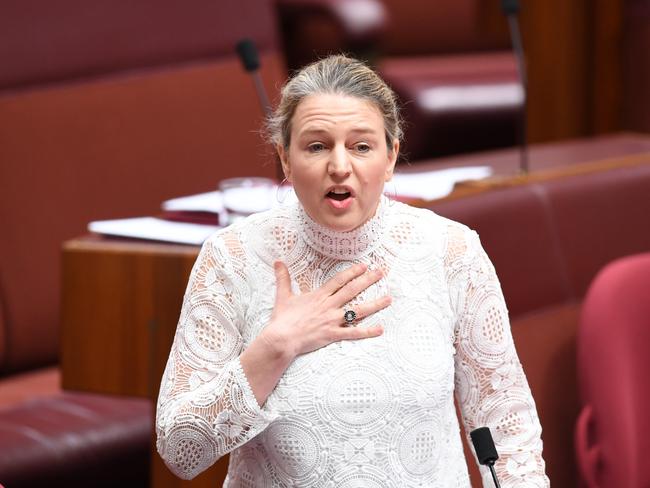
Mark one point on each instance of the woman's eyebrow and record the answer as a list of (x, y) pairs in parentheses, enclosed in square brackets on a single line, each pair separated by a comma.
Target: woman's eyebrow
[(364, 129), (313, 130), (359, 129)]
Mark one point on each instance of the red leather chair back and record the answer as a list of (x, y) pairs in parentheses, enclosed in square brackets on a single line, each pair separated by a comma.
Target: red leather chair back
[(444, 26), (59, 41), (107, 109), (613, 429)]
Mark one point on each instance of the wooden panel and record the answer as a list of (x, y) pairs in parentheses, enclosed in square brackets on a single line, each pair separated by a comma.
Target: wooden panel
[(555, 41), (115, 317), (636, 67), (607, 66), (574, 57), (119, 299)]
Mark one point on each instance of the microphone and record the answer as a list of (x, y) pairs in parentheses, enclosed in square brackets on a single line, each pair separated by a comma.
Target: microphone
[(510, 7), (511, 10), (250, 60), (486, 453)]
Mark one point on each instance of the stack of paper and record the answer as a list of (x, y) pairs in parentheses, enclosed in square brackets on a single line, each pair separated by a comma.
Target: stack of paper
[(432, 185), (154, 229)]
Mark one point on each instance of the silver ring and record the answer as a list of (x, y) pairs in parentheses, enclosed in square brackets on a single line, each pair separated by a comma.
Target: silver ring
[(349, 317)]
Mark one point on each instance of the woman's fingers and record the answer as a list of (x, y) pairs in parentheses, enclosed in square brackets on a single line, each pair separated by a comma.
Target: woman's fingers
[(354, 287), (352, 333), (365, 309), (342, 278)]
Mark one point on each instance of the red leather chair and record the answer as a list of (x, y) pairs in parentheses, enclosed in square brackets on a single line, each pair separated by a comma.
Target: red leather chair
[(613, 429)]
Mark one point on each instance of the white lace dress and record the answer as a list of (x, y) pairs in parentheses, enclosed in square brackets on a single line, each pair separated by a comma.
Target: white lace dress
[(370, 413)]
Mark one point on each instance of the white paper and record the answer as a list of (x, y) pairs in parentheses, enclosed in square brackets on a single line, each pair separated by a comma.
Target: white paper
[(203, 202), (435, 184), (244, 200), (154, 229)]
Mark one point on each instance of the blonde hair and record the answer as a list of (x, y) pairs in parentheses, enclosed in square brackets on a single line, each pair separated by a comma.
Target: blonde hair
[(336, 74)]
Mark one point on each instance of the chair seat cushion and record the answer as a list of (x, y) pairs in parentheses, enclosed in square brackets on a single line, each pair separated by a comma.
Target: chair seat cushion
[(76, 439)]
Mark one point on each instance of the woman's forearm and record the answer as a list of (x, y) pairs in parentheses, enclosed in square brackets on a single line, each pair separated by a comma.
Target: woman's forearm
[(264, 362)]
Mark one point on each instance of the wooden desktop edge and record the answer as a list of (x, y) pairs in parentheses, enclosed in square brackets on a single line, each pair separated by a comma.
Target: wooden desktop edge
[(108, 244), (464, 189)]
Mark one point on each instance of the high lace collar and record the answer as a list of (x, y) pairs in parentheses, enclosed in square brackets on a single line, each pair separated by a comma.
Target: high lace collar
[(345, 245)]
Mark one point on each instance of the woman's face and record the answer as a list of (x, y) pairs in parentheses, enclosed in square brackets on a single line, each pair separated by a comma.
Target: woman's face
[(337, 160)]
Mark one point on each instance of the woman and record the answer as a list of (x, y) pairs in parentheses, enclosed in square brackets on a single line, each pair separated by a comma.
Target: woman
[(321, 343)]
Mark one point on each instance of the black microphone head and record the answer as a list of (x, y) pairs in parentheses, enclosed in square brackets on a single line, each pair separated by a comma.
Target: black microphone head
[(248, 54), (486, 453), (510, 7)]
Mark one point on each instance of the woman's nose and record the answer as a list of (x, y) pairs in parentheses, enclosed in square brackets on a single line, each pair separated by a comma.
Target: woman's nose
[(339, 164)]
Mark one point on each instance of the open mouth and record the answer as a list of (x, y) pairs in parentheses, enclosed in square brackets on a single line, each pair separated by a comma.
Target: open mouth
[(334, 195), (339, 198)]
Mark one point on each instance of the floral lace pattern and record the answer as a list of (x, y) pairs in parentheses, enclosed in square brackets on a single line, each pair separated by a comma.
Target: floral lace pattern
[(371, 413)]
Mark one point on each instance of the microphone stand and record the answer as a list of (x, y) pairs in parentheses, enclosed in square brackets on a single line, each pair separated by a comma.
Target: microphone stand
[(250, 61), (494, 475), (511, 9)]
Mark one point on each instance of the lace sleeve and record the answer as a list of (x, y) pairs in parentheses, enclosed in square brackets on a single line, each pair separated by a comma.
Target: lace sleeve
[(206, 407), (491, 386)]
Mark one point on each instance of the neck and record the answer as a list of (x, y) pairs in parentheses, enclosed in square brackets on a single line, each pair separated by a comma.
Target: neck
[(346, 244)]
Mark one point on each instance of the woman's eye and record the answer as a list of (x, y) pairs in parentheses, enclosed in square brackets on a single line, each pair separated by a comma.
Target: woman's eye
[(316, 147), (362, 147)]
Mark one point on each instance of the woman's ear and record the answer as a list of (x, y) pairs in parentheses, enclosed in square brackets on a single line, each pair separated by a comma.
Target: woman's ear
[(284, 160), (392, 160)]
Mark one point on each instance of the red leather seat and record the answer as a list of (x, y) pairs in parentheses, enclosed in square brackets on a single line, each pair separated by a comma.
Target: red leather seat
[(613, 429), (77, 439)]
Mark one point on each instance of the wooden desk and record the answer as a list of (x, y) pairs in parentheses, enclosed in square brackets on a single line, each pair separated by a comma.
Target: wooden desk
[(121, 299)]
